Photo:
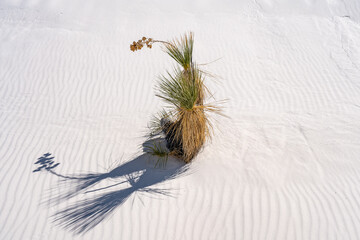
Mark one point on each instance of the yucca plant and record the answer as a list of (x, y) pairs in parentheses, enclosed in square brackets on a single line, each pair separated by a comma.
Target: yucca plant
[(157, 150), (184, 122)]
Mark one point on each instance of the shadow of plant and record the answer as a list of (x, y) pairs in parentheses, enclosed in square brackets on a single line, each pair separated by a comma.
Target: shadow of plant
[(137, 174)]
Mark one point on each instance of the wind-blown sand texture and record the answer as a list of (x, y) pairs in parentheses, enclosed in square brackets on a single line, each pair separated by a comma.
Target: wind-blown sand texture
[(285, 165)]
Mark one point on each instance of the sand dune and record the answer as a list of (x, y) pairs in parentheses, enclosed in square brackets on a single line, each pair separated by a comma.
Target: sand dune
[(284, 165)]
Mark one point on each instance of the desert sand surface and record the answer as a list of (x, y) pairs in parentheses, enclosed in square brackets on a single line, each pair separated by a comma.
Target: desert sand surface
[(285, 164)]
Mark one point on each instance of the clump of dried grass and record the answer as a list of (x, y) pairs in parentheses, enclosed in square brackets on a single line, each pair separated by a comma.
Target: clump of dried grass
[(185, 122)]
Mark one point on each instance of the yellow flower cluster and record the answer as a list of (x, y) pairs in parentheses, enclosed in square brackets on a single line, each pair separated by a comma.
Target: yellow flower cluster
[(140, 44)]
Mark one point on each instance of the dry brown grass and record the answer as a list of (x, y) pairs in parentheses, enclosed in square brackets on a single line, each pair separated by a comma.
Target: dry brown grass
[(194, 131)]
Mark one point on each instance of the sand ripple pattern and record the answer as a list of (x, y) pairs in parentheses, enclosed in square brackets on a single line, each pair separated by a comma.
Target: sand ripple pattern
[(285, 165)]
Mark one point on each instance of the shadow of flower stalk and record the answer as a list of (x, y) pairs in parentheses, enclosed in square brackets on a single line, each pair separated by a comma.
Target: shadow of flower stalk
[(138, 175)]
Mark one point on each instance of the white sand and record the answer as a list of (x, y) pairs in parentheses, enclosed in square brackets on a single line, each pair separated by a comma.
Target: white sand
[(286, 165)]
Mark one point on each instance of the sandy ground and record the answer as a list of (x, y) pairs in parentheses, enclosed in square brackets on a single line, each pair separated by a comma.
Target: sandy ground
[(284, 165)]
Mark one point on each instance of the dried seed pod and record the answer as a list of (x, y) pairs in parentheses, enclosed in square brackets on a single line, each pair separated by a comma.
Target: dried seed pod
[(141, 43)]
